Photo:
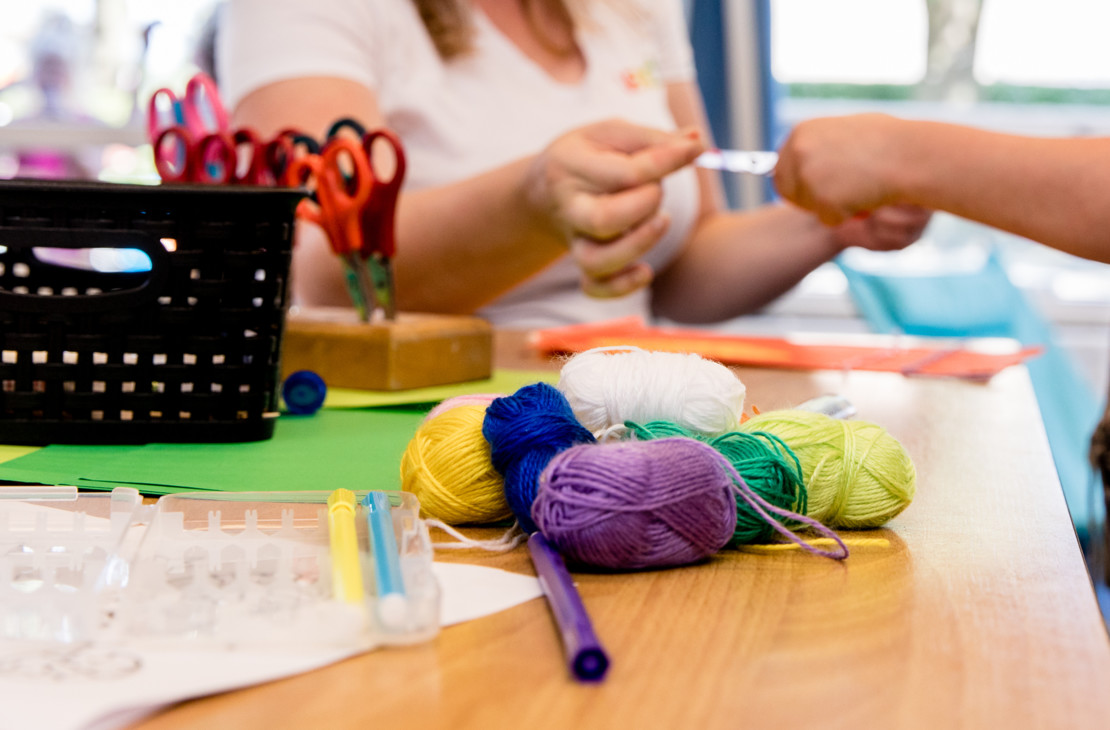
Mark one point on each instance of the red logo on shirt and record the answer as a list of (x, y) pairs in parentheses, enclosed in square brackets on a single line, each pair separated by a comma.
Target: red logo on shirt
[(645, 77)]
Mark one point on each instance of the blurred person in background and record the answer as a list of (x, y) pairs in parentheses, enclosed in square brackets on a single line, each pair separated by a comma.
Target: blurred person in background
[(54, 52)]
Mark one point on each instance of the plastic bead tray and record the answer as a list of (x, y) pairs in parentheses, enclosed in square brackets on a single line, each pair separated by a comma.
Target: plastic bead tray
[(231, 568)]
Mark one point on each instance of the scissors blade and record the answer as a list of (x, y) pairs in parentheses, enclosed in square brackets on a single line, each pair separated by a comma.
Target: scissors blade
[(381, 273), (752, 162), (359, 286), (379, 218)]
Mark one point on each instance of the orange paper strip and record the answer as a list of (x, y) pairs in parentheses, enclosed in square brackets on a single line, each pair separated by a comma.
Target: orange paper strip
[(777, 352)]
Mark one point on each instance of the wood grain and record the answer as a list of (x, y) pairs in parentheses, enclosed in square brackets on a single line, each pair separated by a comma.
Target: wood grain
[(413, 351), (976, 613)]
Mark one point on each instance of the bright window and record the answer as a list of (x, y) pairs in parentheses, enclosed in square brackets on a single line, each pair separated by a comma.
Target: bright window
[(858, 41), (1044, 43), (75, 76)]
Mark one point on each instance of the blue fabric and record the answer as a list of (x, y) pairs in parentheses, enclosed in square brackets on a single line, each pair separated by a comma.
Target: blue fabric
[(711, 58), (986, 303)]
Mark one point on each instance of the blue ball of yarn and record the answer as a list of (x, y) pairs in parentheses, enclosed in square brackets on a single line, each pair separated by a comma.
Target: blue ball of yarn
[(525, 431)]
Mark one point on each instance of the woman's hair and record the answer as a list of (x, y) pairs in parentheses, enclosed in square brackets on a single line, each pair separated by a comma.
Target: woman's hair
[(449, 25), (451, 28)]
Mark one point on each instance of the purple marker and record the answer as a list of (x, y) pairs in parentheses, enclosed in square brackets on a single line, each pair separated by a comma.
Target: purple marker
[(587, 659)]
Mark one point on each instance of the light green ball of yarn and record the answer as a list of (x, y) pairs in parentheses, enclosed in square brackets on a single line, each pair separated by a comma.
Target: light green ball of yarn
[(857, 475)]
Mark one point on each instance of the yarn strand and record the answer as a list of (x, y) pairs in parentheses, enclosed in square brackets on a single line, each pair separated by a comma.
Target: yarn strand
[(762, 506), (509, 539)]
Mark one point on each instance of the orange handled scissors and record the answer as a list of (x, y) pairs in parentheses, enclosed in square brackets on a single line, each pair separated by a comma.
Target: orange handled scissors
[(341, 178)]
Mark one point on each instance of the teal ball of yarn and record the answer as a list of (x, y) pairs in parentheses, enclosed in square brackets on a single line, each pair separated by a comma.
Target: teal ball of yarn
[(771, 470), (764, 461)]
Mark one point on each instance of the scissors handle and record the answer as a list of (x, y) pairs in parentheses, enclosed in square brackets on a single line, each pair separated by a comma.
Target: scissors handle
[(343, 196), (301, 146), (380, 218), (301, 172), (340, 199), (346, 123), (173, 154), (179, 157), (215, 159), (279, 153), (163, 111), (201, 97), (250, 147)]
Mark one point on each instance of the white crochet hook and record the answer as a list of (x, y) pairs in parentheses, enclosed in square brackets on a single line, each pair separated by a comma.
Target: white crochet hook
[(832, 405), (751, 162)]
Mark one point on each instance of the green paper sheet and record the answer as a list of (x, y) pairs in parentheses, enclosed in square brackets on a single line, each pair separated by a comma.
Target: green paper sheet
[(356, 442), (356, 449), (504, 382)]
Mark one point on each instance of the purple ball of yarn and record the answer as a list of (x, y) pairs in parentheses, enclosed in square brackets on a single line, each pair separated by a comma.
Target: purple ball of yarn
[(525, 430), (637, 504)]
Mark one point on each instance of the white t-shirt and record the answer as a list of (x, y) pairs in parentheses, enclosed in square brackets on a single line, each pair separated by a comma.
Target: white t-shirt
[(483, 109)]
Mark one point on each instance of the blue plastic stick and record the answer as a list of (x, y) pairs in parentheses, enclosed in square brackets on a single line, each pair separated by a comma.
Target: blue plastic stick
[(392, 606)]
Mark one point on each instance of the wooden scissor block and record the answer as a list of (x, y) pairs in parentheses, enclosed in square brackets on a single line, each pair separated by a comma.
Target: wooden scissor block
[(413, 351)]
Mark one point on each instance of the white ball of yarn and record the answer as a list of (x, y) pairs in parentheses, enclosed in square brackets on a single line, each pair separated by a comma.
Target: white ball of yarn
[(607, 386)]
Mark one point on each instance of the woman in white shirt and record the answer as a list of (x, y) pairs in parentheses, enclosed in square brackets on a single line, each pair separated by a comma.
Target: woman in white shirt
[(546, 180)]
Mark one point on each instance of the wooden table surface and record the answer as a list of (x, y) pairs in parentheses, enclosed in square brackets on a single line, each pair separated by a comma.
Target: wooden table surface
[(977, 613)]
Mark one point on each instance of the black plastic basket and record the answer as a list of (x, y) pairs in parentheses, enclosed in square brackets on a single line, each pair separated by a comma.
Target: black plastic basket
[(188, 351)]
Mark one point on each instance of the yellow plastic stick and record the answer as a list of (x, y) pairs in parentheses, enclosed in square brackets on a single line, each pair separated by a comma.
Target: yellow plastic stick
[(346, 574), (817, 541)]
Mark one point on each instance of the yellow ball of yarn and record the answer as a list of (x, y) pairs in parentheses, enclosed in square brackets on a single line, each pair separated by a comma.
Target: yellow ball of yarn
[(447, 466), (857, 475)]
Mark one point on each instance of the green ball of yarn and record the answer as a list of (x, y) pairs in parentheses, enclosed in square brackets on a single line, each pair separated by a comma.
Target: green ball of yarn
[(856, 474), (763, 460)]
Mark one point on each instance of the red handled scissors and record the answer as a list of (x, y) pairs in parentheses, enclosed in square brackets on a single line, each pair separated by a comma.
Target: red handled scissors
[(258, 162), (190, 135), (218, 158), (193, 142), (179, 157), (341, 178), (378, 220), (201, 112)]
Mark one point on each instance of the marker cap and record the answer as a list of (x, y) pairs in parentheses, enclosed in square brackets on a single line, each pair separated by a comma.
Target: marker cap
[(303, 392)]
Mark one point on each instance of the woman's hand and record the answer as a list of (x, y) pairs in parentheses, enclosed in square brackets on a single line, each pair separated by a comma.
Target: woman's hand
[(599, 187)]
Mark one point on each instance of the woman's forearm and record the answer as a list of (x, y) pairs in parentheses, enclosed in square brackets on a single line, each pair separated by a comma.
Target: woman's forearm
[(462, 245), (738, 262), (458, 247)]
